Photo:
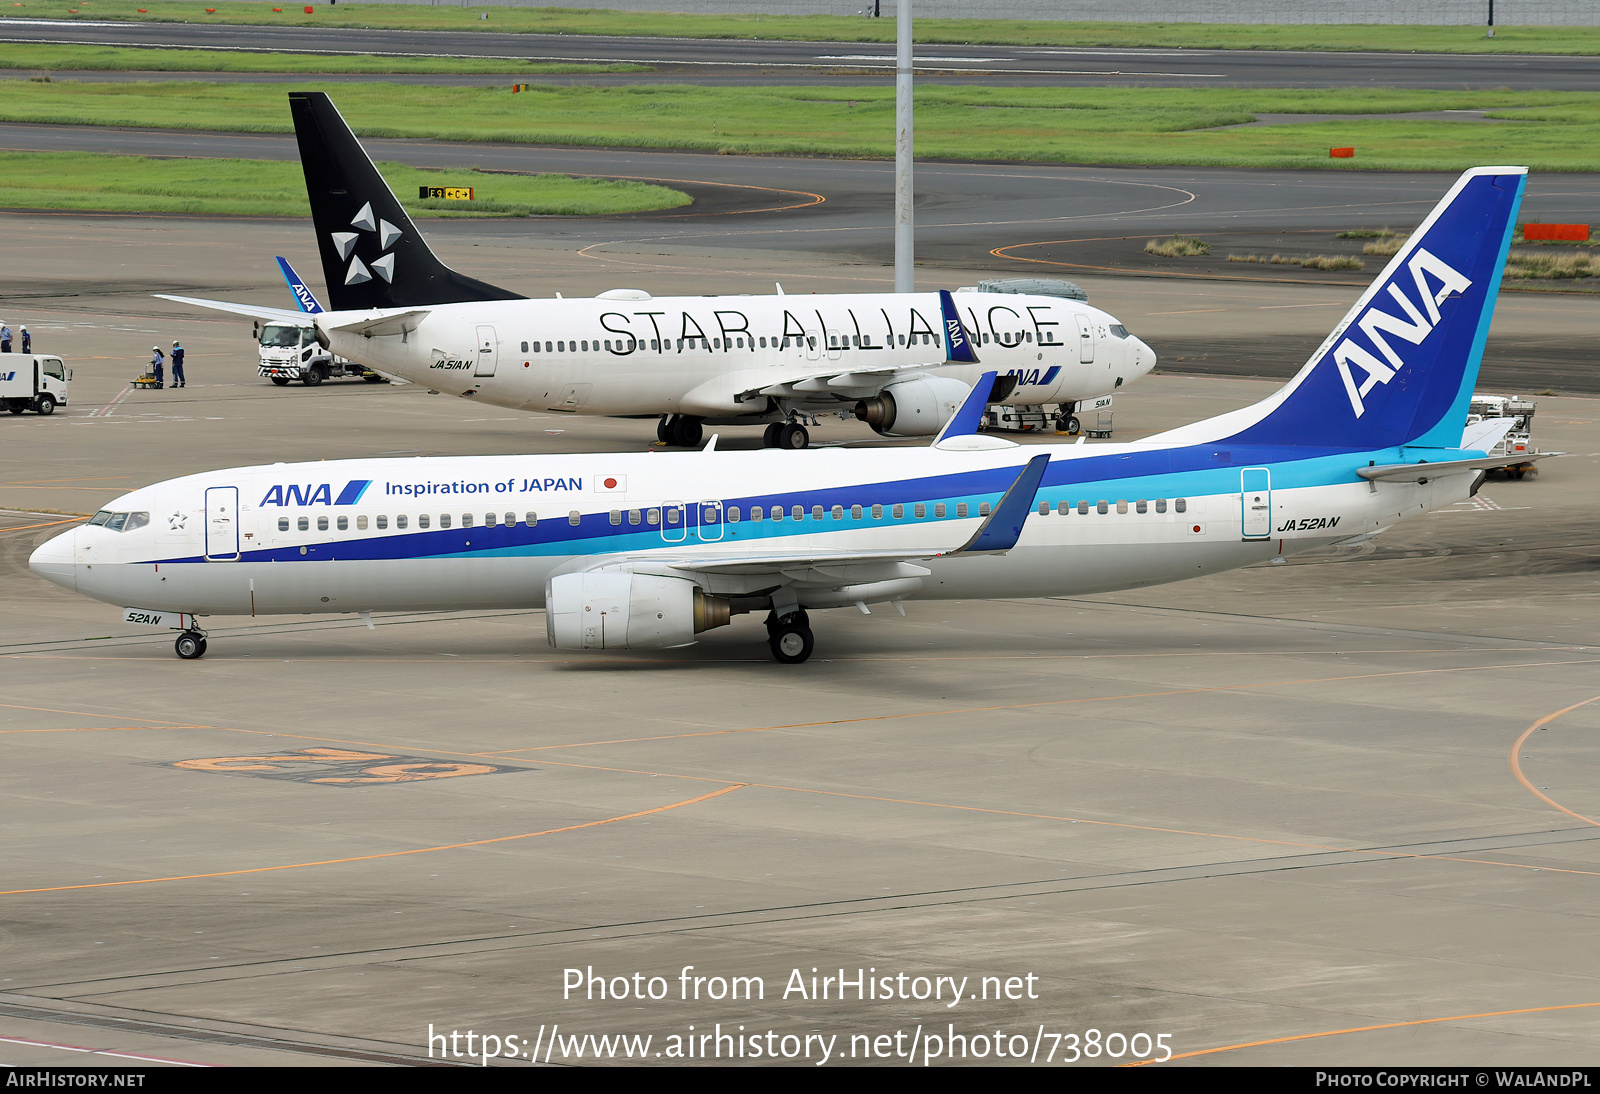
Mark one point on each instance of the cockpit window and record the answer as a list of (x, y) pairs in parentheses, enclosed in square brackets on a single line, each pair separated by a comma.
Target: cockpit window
[(120, 522), (1119, 330)]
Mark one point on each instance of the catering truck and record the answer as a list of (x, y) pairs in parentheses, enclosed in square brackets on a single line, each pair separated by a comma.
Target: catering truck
[(33, 381)]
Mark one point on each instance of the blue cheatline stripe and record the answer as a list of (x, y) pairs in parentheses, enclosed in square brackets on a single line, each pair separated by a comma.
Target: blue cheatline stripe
[(1199, 471), (351, 494)]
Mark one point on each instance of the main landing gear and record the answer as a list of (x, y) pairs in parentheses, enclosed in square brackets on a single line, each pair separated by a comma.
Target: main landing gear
[(789, 636), (790, 435), (679, 430), (191, 645)]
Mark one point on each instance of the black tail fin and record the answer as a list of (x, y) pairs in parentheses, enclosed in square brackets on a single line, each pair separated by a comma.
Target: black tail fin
[(372, 255)]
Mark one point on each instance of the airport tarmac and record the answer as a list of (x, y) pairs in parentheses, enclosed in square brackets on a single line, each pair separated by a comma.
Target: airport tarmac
[(1353, 792)]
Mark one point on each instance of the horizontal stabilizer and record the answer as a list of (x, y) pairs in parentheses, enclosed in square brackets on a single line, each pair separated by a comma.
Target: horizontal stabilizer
[(375, 324), (1425, 472), (254, 311)]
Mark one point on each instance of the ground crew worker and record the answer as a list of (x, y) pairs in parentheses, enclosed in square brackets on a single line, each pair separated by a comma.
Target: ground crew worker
[(5, 338), (157, 359), (177, 365), (27, 341)]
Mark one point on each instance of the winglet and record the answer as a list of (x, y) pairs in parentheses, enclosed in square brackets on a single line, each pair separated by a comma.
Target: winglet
[(1001, 531), (303, 297), (957, 341), (969, 415)]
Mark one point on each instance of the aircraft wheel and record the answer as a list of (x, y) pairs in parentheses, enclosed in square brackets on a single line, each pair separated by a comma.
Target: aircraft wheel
[(664, 429), (769, 437), (45, 404), (1073, 426), (791, 643), (373, 378), (686, 432), (190, 646), (281, 381), (793, 437)]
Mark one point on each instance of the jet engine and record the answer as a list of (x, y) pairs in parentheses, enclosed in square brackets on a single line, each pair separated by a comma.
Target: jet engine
[(913, 408), (607, 610)]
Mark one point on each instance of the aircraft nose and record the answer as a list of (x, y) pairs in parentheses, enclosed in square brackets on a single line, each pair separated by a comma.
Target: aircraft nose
[(56, 560), (1144, 358)]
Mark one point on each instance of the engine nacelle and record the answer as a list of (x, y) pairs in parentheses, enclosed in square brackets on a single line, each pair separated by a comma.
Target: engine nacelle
[(914, 408), (606, 610)]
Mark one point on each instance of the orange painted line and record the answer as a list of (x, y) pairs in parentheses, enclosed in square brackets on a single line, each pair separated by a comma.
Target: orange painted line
[(91, 714), (1516, 766), (46, 524), (383, 855), (816, 199), (93, 729), (1043, 703), (85, 478), (1363, 1029)]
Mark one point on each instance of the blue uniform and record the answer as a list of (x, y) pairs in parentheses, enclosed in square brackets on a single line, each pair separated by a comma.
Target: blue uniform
[(177, 365)]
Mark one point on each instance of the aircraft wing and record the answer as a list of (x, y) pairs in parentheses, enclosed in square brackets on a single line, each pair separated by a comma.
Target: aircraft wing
[(997, 534), (254, 311)]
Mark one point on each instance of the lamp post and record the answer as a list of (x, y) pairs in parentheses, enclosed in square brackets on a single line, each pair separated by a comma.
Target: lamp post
[(904, 251)]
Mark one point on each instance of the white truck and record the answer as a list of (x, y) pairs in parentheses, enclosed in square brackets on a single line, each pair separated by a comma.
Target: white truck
[(33, 381), (289, 351), (1517, 445)]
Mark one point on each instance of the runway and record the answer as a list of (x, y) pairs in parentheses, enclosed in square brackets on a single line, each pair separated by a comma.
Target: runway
[(777, 62)]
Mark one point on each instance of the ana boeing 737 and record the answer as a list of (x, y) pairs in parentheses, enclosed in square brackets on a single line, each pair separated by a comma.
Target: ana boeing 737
[(646, 550), (901, 362)]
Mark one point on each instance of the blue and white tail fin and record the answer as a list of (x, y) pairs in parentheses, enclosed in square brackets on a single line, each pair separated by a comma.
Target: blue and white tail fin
[(303, 296), (1399, 369)]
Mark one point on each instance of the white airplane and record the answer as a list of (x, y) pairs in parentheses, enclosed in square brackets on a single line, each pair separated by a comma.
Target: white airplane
[(900, 361), (646, 550)]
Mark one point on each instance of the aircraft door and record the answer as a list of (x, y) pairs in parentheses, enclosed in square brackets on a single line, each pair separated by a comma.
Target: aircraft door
[(833, 344), (1085, 340), (1255, 502), (222, 524), (488, 352), (813, 344), (674, 522), (708, 518)]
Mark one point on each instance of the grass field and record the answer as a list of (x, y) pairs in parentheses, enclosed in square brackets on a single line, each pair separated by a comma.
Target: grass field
[(45, 58), (826, 28), (216, 187), (1553, 131)]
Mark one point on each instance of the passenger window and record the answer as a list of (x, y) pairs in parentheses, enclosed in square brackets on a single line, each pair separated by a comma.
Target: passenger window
[(422, 521), (511, 520), (899, 512), (322, 524), (798, 512), (1102, 508), (383, 522), (838, 512), (444, 520), (531, 520), (921, 510), (983, 508), (938, 509), (733, 514), (757, 512), (1122, 505), (816, 512), (654, 517), (616, 516), (634, 516), (777, 512), (400, 522), (708, 516), (304, 524), (283, 524), (524, 347), (672, 515), (1181, 505), (1161, 505), (855, 512), (877, 512), (344, 524), (1064, 508), (1083, 508), (466, 520), (489, 520), (361, 524), (1044, 509), (1142, 506), (574, 517)]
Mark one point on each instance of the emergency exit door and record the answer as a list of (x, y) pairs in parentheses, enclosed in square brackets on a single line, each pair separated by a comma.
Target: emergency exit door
[(488, 352), (1255, 502), (222, 523)]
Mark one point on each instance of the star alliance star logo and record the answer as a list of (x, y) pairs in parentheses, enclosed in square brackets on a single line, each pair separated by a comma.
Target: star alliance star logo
[(345, 243), (176, 522)]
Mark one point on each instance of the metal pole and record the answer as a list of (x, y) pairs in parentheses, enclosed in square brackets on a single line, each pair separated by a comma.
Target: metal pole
[(904, 245), (1491, 18)]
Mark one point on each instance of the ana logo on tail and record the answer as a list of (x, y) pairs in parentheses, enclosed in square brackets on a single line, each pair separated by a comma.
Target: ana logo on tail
[(1414, 328)]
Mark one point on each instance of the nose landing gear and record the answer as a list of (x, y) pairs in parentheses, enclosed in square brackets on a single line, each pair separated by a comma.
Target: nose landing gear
[(191, 645)]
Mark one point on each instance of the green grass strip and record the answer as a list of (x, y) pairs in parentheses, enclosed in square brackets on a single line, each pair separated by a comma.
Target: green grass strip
[(217, 187), (47, 58), (827, 28), (1553, 131)]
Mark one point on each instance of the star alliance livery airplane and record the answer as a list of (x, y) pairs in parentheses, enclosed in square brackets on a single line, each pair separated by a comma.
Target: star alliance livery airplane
[(646, 550), (902, 362)]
